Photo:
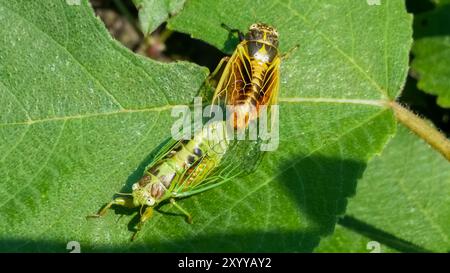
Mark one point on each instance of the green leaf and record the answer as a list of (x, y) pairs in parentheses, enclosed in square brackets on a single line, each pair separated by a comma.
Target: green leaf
[(78, 114), (153, 13), (81, 116), (399, 204), (432, 53)]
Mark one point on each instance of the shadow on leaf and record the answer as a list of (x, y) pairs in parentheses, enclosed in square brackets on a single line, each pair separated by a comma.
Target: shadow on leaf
[(319, 187), (380, 236)]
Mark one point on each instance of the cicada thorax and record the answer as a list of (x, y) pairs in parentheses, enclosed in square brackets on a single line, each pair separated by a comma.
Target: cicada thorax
[(185, 165), (159, 177)]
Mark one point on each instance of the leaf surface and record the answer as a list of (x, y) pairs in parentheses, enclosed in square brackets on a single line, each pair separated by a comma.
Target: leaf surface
[(401, 206), (81, 116)]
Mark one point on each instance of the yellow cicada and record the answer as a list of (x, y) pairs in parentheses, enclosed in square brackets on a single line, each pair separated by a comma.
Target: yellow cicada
[(251, 76)]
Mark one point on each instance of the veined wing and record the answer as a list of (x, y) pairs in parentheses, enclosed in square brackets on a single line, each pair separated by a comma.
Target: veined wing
[(271, 83), (163, 152), (240, 159), (234, 78)]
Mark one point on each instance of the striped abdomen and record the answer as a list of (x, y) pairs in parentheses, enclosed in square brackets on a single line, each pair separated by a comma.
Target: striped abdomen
[(162, 174), (253, 92), (250, 95)]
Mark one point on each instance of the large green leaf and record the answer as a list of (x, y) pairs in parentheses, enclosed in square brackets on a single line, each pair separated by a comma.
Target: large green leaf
[(432, 53), (398, 204), (79, 112), (80, 116)]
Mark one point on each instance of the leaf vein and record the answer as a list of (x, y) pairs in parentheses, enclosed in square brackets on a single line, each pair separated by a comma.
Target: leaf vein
[(108, 93), (44, 164)]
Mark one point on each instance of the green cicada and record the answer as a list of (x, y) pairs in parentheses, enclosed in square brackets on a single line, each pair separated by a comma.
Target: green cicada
[(181, 168)]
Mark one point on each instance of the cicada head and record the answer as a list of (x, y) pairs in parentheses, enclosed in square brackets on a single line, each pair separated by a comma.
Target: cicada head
[(142, 195), (263, 32)]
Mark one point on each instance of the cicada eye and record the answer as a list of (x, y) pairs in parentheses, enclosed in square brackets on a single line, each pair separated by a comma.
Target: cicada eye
[(150, 201), (253, 26)]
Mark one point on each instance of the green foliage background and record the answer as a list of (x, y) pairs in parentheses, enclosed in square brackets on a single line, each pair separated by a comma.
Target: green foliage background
[(81, 115)]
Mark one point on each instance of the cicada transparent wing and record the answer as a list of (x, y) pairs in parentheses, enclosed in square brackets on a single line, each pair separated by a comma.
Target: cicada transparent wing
[(240, 159), (235, 76)]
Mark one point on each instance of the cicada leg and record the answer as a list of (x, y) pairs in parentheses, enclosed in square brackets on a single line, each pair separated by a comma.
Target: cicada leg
[(188, 215), (286, 55), (144, 217), (120, 201), (234, 30), (213, 77)]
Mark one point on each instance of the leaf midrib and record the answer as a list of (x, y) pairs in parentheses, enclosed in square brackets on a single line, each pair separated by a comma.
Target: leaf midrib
[(92, 115), (286, 100)]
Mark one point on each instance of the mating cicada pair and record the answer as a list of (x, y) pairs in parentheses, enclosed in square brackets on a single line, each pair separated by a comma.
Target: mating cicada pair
[(248, 80)]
